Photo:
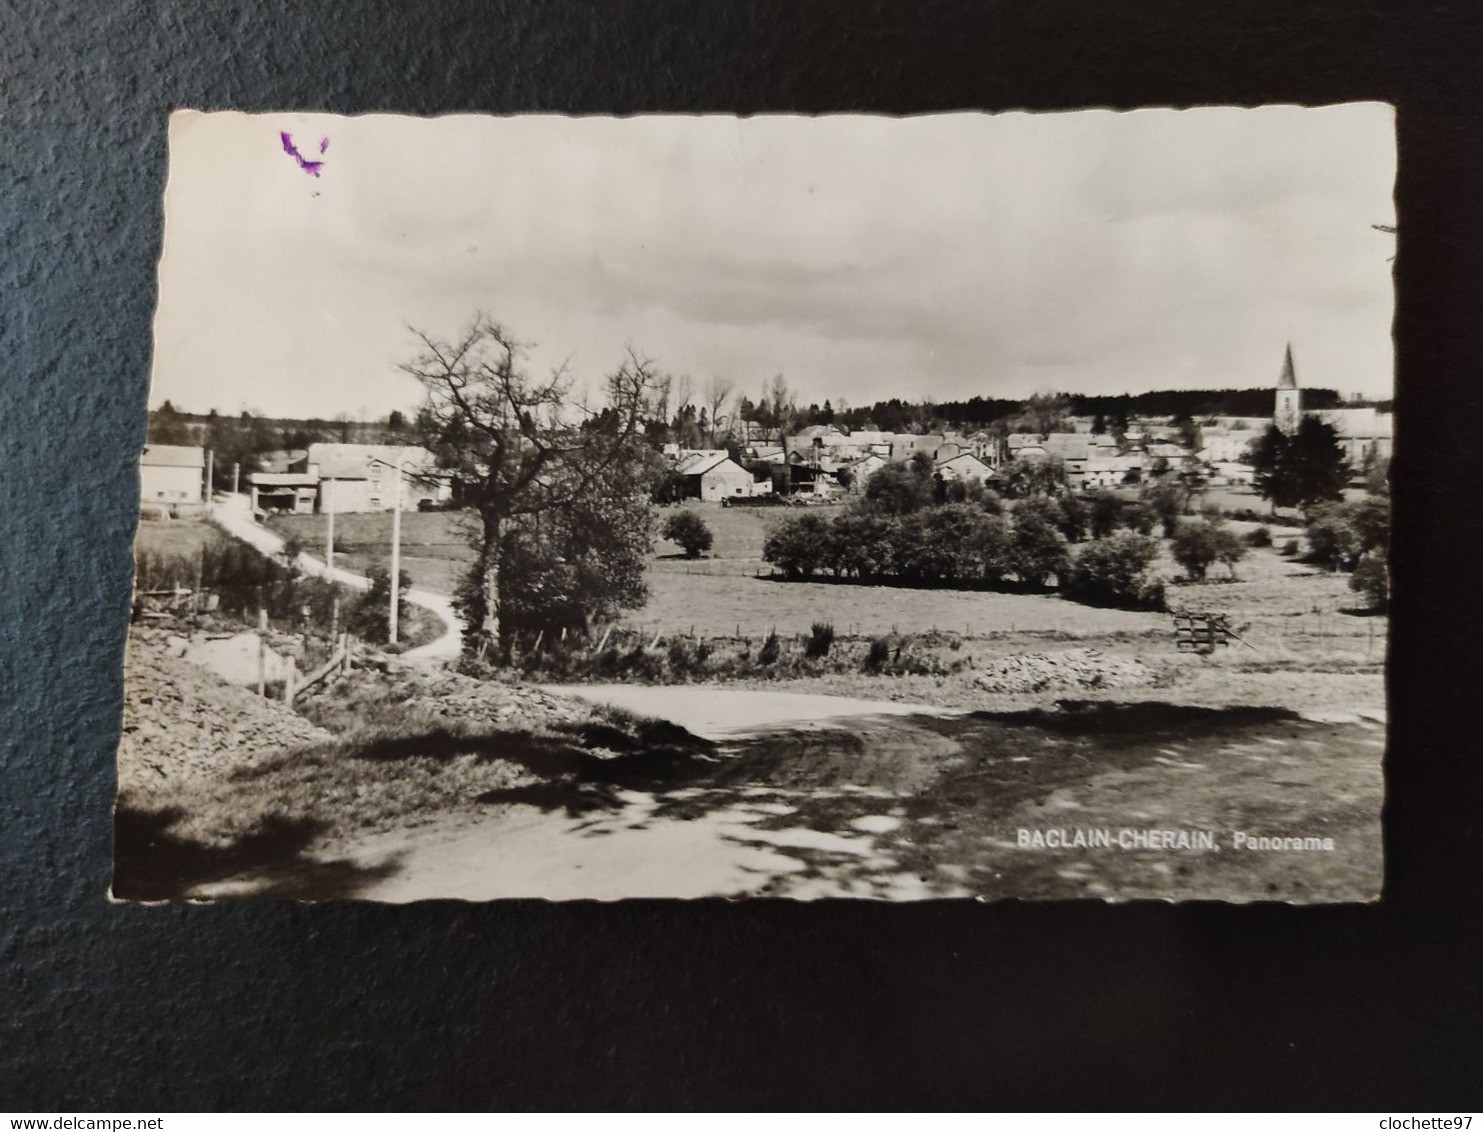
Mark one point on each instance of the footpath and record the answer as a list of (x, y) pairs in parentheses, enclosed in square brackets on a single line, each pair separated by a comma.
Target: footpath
[(233, 514)]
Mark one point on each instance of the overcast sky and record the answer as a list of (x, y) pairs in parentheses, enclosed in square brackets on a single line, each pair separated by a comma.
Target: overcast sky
[(862, 257)]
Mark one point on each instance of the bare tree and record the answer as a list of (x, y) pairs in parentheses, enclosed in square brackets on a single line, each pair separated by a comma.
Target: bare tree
[(717, 397), (779, 400), (523, 446), (683, 392)]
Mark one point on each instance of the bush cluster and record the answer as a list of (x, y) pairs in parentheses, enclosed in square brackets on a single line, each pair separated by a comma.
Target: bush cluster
[(1199, 545), (957, 544), (690, 532), (1115, 571), (1354, 536), (684, 660), (1340, 534), (244, 581)]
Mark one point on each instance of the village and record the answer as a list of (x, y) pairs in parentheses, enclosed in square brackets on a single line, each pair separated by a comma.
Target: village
[(339, 515), (819, 462), (956, 507)]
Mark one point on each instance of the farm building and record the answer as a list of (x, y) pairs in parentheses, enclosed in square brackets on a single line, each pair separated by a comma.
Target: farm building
[(292, 492), (363, 477), (965, 466), (1222, 445), (1104, 471), (172, 473), (1364, 433), (716, 476)]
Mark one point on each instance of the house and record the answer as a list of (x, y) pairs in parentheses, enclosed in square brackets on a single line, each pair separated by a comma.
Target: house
[(1104, 471), (716, 477), (1226, 445), (363, 477), (1162, 450), (293, 492), (1232, 473), (1363, 433), (858, 472), (172, 473), (964, 466), (1073, 449)]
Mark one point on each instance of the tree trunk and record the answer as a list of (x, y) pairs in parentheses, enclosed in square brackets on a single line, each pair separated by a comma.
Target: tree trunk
[(493, 529)]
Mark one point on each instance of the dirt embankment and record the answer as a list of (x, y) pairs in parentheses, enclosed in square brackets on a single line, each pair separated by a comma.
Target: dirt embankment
[(182, 723), (221, 787)]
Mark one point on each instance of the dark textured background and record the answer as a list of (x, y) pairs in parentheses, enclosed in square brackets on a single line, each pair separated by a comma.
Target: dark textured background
[(710, 1004)]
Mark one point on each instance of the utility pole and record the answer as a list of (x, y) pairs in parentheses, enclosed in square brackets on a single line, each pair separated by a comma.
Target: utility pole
[(206, 496), (329, 536), (236, 473), (396, 547)]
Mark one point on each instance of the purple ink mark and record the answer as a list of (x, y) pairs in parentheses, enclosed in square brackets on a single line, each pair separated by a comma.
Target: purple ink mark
[(310, 167)]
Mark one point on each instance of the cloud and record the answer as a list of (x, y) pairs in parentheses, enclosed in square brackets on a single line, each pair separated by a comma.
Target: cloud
[(864, 257)]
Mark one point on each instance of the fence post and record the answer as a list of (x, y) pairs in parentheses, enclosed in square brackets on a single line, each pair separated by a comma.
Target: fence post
[(262, 651)]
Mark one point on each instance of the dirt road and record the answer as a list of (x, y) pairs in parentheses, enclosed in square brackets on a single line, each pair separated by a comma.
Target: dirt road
[(806, 799)]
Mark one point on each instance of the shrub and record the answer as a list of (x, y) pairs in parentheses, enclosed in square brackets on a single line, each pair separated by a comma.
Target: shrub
[(1115, 571), (370, 617), (1038, 550), (800, 546), (1262, 536), (1372, 578), (1104, 513), (687, 659), (1290, 548), (878, 655), (771, 649), (1198, 545), (1075, 518), (820, 639), (993, 548), (1333, 540), (862, 544), (1167, 501), (689, 530)]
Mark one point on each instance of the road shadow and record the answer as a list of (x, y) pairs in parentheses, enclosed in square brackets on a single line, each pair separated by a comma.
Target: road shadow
[(151, 862)]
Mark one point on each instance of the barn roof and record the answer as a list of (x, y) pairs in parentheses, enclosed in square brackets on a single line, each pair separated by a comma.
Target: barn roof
[(701, 463), (172, 456), (355, 461)]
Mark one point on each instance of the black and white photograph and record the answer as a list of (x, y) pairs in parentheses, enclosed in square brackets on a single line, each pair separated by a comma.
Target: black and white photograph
[(961, 506)]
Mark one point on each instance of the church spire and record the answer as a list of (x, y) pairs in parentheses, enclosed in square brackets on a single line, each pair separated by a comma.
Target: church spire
[(1289, 378), (1289, 408)]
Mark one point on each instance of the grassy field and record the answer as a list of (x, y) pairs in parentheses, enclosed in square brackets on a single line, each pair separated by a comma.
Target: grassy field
[(176, 538), (434, 548), (1306, 645)]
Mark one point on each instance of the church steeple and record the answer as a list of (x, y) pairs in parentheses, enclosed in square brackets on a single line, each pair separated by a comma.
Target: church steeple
[(1289, 379), (1289, 408)]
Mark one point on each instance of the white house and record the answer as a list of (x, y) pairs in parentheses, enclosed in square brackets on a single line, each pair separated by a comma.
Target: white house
[(1233, 473), (965, 466), (858, 472), (363, 477), (1103, 471), (1221, 445), (716, 477), (1363, 432), (172, 473)]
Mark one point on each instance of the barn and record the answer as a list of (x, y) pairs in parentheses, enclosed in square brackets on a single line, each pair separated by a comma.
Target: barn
[(172, 473), (714, 477)]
